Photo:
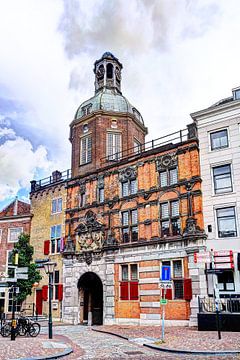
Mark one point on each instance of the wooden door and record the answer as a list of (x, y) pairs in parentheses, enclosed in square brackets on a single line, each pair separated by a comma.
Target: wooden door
[(39, 301)]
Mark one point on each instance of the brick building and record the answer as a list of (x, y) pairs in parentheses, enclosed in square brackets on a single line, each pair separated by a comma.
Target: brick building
[(14, 220), (131, 208), (48, 205)]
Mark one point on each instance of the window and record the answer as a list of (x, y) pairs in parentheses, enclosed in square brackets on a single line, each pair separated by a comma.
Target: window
[(226, 281), (56, 283), (170, 220), (136, 147), (13, 234), (130, 226), (114, 146), (10, 301), (56, 231), (10, 268), (222, 179), (86, 109), (86, 150), (177, 277), (226, 221), (82, 199), (168, 177), (129, 282), (219, 139), (101, 194), (129, 187), (56, 205), (85, 128)]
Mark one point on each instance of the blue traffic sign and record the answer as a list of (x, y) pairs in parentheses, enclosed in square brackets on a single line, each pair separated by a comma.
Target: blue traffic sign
[(166, 273)]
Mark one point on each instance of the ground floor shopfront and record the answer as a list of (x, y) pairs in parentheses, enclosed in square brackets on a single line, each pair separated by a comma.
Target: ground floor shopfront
[(122, 286)]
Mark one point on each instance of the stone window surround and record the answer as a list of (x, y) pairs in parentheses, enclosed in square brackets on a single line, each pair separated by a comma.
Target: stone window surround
[(128, 281), (170, 218), (214, 131), (231, 175), (223, 206), (9, 233)]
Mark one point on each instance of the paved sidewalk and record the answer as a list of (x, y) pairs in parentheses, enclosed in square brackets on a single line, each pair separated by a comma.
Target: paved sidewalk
[(182, 338), (28, 347)]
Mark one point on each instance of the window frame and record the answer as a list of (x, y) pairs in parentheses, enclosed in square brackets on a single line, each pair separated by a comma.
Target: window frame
[(168, 175), (129, 227), (213, 167), (174, 279), (216, 131), (217, 222), (129, 187), (101, 197), (111, 155), (57, 240), (137, 146), (170, 218), (57, 205), (129, 280), (87, 137), (224, 283), (9, 233), (55, 286)]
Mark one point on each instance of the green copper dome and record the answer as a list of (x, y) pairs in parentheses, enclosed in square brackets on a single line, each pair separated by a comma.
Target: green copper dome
[(107, 100)]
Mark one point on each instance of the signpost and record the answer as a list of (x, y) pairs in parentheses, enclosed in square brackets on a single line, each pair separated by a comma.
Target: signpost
[(165, 283)]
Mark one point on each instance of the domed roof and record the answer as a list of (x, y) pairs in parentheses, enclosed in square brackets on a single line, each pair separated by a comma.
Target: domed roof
[(108, 100)]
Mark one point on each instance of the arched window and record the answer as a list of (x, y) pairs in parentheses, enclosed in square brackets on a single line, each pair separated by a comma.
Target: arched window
[(109, 71)]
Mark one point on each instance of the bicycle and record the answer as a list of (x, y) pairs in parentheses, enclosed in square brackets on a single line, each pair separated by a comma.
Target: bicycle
[(24, 327)]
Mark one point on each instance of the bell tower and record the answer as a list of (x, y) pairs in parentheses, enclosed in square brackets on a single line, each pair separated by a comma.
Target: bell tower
[(107, 72)]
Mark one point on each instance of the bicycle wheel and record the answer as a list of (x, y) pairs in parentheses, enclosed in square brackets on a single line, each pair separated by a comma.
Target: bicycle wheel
[(6, 330), (34, 329), (21, 330)]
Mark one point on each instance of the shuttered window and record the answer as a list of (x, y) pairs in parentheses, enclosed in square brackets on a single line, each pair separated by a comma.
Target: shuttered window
[(86, 150), (114, 146), (129, 187), (168, 177), (129, 282)]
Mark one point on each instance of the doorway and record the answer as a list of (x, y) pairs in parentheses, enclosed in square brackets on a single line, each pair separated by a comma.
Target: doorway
[(91, 299)]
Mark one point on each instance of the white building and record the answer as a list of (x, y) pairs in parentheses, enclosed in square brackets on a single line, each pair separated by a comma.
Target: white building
[(219, 142)]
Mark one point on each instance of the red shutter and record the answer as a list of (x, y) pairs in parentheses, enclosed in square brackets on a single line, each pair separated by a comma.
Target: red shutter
[(45, 292), (60, 292), (124, 290), (133, 290), (46, 247), (168, 294), (188, 289)]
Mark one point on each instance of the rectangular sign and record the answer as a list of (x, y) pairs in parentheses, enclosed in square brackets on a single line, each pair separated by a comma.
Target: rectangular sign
[(21, 270), (224, 265), (165, 284), (22, 276), (223, 259), (213, 271), (166, 273), (203, 257), (223, 253), (163, 301)]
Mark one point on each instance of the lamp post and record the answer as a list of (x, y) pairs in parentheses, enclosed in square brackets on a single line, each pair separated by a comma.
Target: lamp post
[(49, 269)]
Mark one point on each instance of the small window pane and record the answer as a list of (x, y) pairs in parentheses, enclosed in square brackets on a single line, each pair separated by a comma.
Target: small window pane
[(124, 272), (54, 206), (134, 214), (178, 289), (134, 272), (163, 179), (177, 269), (176, 228), (133, 186), (101, 195), (219, 139), (222, 179), (125, 189), (175, 208), (134, 233), (125, 220), (14, 234), (53, 243), (164, 211), (173, 176), (125, 235), (165, 228), (56, 276), (53, 232)]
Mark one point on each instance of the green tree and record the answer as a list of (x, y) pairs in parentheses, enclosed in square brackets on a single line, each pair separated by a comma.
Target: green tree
[(25, 259)]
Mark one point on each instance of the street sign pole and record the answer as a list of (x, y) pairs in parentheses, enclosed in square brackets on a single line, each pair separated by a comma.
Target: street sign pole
[(163, 314), (216, 296)]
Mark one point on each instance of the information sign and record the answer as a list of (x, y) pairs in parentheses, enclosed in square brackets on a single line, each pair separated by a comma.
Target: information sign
[(203, 257), (166, 273), (165, 284), (163, 301)]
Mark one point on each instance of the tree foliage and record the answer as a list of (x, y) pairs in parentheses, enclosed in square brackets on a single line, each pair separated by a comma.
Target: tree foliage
[(25, 253)]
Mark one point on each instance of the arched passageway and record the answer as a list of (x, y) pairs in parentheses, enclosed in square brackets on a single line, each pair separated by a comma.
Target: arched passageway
[(91, 299)]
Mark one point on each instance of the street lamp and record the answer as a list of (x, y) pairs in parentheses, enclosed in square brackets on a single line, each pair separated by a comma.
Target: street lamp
[(49, 269)]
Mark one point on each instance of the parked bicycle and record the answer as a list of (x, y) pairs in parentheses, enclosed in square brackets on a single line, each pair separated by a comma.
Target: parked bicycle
[(24, 327)]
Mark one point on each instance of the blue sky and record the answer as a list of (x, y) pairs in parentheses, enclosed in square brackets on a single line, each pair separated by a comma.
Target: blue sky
[(178, 55)]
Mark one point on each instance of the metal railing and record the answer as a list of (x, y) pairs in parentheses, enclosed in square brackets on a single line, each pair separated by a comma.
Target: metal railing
[(173, 138), (229, 304), (56, 176)]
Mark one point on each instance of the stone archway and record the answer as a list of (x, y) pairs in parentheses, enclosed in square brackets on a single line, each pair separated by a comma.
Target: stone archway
[(91, 299)]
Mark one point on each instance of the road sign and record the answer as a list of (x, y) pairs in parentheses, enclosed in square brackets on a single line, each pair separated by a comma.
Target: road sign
[(228, 265), (203, 257), (166, 273), (223, 253), (22, 276), (165, 284), (21, 270), (163, 301), (213, 271)]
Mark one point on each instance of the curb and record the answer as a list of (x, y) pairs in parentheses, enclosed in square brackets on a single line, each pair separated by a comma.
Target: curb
[(49, 357), (110, 333), (174, 351)]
